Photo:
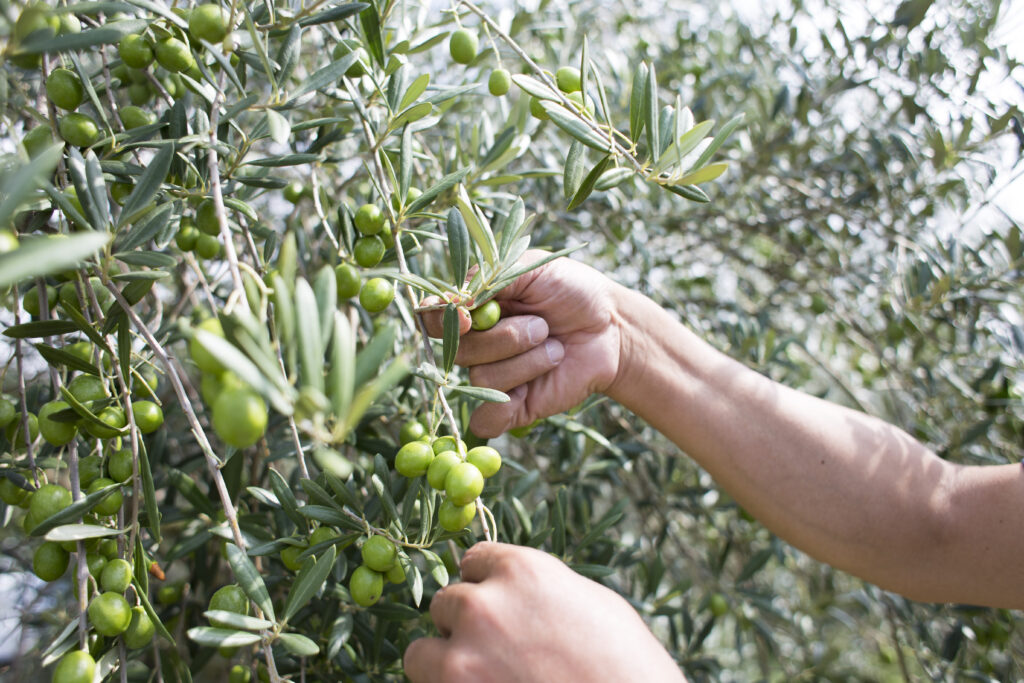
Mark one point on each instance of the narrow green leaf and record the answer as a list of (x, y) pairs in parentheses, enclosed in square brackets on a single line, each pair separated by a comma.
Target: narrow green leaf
[(154, 617), (284, 316), (299, 645), (147, 259), (328, 75), (405, 162), (572, 175), (40, 328), (371, 357), (325, 515), (342, 373), (414, 580), (651, 111), (80, 532), (97, 188), (429, 195), (148, 184), (482, 393), (236, 361), (249, 580), (337, 13), (222, 637), (105, 35), (587, 186), (73, 511), (85, 412), (411, 114), (703, 175), (497, 149), (84, 325), (150, 223), (59, 357), (534, 87), (325, 289), (720, 137), (162, 10), (308, 582), (417, 282), (75, 163), (450, 341), (317, 494), (384, 493), (512, 226), (238, 621), (61, 201), (341, 631), (188, 488), (571, 124), (280, 129), (370, 21), (288, 53), (691, 192), (754, 564), (436, 567), (415, 89), (559, 533), (311, 352), (369, 393), (612, 177), (285, 497), (242, 208), (18, 183), (681, 147), (458, 245), (285, 160), (477, 226), (149, 494)]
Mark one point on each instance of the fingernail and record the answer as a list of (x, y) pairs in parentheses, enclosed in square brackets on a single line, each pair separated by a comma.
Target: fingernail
[(537, 330), (555, 351)]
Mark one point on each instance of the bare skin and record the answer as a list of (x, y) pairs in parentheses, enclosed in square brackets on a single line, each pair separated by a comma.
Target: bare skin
[(492, 626), (847, 488)]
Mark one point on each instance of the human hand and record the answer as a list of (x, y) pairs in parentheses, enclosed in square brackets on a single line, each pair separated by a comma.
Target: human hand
[(521, 615), (558, 341)]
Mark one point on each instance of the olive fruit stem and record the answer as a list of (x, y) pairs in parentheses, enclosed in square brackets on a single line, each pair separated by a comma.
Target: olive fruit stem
[(22, 399), (318, 207), (213, 165)]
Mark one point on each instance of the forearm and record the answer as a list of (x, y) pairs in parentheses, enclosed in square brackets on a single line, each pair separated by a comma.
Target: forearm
[(846, 488)]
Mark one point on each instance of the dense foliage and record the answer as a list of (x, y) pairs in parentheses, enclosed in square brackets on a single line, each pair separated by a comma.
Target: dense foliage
[(853, 249)]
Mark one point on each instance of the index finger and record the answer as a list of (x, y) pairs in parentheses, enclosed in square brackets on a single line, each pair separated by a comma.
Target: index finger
[(483, 560), (423, 658), (434, 320)]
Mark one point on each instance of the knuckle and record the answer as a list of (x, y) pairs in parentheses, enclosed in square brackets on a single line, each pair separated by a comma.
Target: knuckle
[(476, 612), (458, 667), (479, 376)]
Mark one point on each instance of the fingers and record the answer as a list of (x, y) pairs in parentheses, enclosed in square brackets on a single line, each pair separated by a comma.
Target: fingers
[(512, 372), (434, 320), (510, 337), (446, 604), (484, 560), (423, 659), (491, 420)]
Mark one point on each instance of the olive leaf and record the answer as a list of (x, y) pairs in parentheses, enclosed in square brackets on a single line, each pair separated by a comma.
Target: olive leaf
[(450, 341)]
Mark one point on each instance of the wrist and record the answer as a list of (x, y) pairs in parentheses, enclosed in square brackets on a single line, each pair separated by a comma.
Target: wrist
[(635, 317)]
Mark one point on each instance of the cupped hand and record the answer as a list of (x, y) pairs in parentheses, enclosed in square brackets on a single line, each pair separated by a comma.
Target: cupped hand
[(557, 342), (521, 615)]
